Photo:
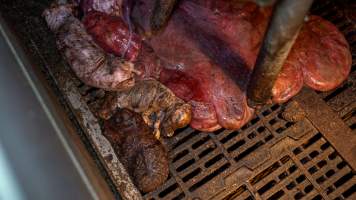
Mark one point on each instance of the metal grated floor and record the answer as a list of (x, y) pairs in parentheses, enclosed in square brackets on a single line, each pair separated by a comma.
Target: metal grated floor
[(269, 158)]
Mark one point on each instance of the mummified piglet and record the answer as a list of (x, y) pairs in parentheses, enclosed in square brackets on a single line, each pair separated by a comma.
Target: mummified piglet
[(143, 156), (159, 107), (91, 63)]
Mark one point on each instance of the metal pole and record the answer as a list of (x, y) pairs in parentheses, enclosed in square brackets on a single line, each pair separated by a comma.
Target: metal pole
[(161, 13), (286, 21)]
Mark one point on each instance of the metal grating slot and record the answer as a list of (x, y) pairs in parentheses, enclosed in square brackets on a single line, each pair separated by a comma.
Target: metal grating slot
[(284, 180), (241, 193), (350, 119), (268, 158), (331, 173), (310, 170)]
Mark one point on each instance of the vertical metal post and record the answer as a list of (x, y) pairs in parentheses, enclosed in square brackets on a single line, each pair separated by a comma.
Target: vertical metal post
[(161, 13), (286, 21)]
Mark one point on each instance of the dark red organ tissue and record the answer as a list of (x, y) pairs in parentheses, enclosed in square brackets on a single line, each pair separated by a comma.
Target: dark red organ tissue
[(214, 44), (113, 35), (323, 54), (203, 70), (208, 50), (289, 82)]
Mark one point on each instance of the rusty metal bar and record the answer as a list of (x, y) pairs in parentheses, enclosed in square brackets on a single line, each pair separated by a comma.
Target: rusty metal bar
[(161, 14), (287, 18), (329, 124)]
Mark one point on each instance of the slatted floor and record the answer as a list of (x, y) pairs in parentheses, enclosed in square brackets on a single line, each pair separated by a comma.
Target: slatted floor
[(261, 157)]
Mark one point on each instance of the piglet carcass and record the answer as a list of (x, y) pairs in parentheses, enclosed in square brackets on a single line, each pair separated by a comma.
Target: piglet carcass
[(90, 62), (143, 156), (159, 107)]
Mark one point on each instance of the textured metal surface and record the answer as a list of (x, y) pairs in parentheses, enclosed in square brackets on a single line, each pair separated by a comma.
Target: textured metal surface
[(332, 127), (162, 12), (269, 158)]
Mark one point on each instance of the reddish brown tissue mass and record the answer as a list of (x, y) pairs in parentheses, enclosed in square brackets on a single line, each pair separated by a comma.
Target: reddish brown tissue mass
[(208, 50), (323, 54), (113, 35), (211, 48)]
